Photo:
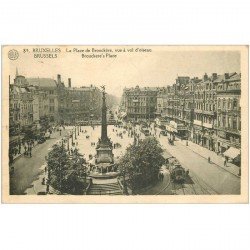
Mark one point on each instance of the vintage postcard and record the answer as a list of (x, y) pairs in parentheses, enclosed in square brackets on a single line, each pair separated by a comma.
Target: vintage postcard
[(124, 124)]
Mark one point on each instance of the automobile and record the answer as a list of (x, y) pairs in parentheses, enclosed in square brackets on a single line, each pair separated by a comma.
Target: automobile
[(145, 131), (170, 141), (164, 133), (41, 140), (47, 135), (162, 127)]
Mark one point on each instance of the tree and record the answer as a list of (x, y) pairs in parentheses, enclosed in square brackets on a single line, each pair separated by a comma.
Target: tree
[(64, 172), (141, 162), (58, 162), (28, 133), (44, 122)]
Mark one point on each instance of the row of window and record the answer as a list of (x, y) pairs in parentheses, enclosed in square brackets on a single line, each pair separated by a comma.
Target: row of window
[(230, 86), (229, 122), (229, 103)]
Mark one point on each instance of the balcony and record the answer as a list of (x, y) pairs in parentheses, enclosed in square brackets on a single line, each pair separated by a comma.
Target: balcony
[(200, 111), (207, 125), (206, 112), (228, 130), (233, 130)]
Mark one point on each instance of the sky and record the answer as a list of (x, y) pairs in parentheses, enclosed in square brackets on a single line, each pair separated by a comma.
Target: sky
[(160, 67)]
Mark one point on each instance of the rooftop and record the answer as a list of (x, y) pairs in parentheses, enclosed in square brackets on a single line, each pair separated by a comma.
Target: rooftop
[(42, 82)]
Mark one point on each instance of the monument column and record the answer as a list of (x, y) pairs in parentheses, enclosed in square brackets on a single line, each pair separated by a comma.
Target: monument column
[(104, 146), (104, 117)]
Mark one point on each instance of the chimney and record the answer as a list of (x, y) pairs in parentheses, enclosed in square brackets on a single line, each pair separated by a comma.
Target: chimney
[(205, 77), (226, 75), (58, 78), (69, 82), (214, 76)]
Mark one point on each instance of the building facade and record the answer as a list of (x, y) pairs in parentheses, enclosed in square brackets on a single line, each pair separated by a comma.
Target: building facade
[(78, 104), (49, 97), (228, 112), (140, 104), (206, 111)]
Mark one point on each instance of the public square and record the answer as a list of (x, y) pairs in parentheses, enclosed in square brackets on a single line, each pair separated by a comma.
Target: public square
[(185, 134), (205, 178)]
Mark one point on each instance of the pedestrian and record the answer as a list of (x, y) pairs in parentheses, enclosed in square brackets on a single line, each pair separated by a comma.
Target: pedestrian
[(19, 148), (25, 149), (162, 176), (45, 170), (11, 158), (225, 162), (30, 151)]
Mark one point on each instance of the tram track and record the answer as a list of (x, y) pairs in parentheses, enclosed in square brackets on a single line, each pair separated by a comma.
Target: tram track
[(185, 187), (203, 188), (192, 185)]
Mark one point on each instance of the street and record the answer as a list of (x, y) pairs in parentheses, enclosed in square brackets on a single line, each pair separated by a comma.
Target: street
[(27, 169), (209, 175), (205, 178)]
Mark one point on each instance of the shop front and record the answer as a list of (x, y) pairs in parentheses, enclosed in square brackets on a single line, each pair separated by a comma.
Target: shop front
[(178, 130), (197, 135), (209, 140), (222, 143)]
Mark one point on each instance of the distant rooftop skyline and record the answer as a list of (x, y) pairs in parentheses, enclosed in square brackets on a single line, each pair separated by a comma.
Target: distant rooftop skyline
[(158, 68)]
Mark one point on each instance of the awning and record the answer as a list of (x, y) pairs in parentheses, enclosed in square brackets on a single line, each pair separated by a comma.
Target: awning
[(123, 114), (171, 129), (232, 152)]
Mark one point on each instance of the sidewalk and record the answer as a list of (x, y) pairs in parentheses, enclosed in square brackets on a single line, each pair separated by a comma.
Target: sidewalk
[(37, 186), (21, 152), (22, 149), (214, 158)]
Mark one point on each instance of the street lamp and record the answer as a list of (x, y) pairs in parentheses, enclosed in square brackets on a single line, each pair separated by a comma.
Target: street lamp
[(72, 137), (125, 188), (48, 177)]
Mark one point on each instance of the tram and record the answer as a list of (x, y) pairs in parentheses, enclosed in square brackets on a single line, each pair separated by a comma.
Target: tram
[(177, 172)]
